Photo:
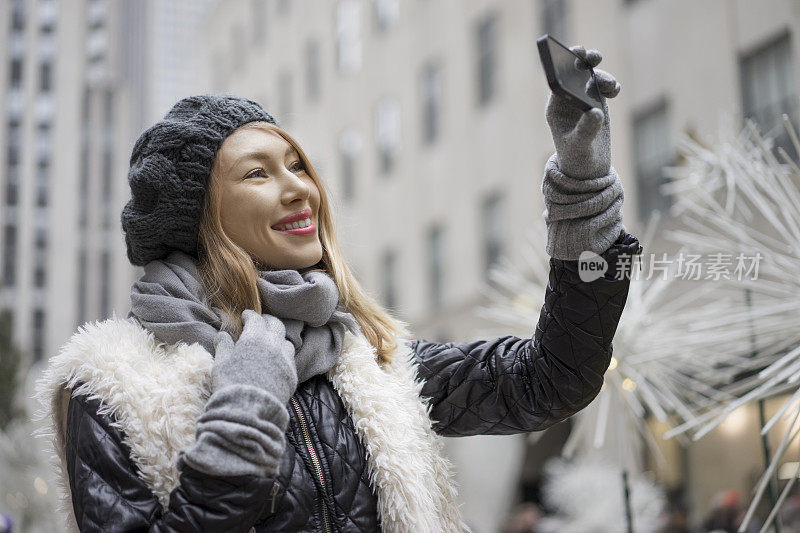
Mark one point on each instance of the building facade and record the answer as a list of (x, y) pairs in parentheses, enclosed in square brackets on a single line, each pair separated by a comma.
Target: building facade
[(82, 80), (64, 126)]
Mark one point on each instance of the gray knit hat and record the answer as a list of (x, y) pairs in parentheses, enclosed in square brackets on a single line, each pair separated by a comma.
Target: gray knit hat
[(169, 169)]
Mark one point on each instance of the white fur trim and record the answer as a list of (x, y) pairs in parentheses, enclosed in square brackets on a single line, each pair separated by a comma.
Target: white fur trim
[(413, 482), (156, 392)]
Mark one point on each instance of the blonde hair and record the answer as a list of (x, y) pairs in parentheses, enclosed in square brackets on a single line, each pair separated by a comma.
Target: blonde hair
[(229, 276)]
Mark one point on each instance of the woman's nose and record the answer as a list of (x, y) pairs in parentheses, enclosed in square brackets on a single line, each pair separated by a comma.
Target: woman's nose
[(294, 186)]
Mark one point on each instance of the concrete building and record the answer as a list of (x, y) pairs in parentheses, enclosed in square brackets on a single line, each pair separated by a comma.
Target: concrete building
[(65, 128), (82, 80), (426, 121)]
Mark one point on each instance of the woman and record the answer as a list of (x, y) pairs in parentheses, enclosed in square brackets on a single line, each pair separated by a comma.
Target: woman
[(321, 415)]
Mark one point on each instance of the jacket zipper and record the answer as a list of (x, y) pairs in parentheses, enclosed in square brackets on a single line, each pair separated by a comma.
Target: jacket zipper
[(275, 489), (314, 459)]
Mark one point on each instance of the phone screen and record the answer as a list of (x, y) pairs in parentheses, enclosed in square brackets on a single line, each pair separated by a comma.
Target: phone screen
[(569, 75)]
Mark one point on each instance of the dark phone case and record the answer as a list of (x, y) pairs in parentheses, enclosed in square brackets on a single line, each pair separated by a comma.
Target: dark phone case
[(552, 79)]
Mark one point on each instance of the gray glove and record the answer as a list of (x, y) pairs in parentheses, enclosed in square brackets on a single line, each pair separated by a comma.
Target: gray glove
[(582, 193), (242, 429)]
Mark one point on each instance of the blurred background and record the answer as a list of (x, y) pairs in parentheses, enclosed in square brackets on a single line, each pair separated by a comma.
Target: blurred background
[(426, 120)]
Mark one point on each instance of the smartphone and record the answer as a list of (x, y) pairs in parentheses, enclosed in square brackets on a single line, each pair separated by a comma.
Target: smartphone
[(563, 75)]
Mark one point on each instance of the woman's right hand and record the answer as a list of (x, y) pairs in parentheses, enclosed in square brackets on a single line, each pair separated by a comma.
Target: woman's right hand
[(262, 357)]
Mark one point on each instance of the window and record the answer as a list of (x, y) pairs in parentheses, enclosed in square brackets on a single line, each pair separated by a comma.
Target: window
[(388, 272), (769, 90), (432, 99), (435, 266), (387, 132), (48, 27), (492, 225), (45, 77), (554, 19), (16, 72), (38, 334), (96, 14), (486, 35), (12, 175), (13, 142), (386, 13), (48, 13), (18, 15), (348, 36), (9, 254), (12, 186), (349, 146), (312, 71), (40, 269), (651, 153), (96, 24), (284, 96), (41, 237), (42, 182), (44, 141)]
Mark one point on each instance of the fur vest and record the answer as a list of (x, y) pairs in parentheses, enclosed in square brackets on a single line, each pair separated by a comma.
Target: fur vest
[(156, 392)]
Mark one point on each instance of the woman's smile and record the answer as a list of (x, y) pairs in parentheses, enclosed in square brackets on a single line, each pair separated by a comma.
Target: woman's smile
[(311, 229), (299, 223)]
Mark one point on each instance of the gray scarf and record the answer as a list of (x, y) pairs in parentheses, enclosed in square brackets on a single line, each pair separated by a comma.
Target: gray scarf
[(169, 301)]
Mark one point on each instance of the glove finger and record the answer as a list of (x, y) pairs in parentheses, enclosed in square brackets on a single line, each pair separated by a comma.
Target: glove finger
[(222, 338), (587, 127), (273, 327), (582, 63), (223, 345), (248, 314), (578, 49), (608, 85), (593, 57), (253, 323)]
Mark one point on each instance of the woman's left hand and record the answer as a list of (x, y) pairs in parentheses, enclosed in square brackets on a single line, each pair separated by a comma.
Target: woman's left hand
[(583, 138)]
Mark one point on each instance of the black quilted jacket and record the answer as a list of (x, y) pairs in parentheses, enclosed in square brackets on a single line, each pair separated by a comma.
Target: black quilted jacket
[(494, 387)]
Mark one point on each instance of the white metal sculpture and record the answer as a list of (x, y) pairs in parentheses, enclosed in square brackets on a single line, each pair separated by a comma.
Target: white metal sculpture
[(735, 195)]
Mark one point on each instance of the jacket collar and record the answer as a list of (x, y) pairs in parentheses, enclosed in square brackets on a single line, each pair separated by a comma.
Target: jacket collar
[(156, 392)]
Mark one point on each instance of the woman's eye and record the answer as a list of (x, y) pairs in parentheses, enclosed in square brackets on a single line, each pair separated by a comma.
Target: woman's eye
[(297, 166), (255, 172)]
